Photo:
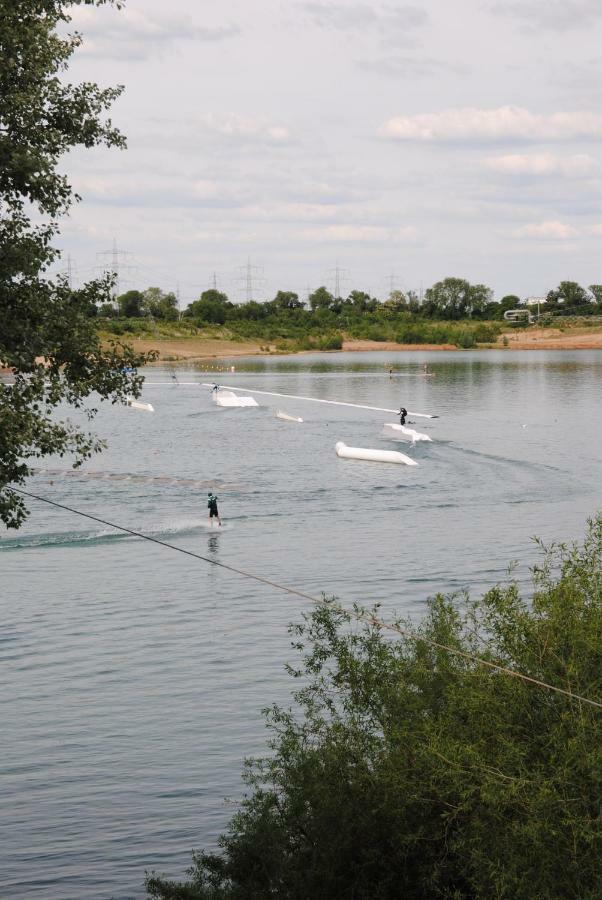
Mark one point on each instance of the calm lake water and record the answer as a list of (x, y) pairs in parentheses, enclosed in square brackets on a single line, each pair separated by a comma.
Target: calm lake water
[(133, 676)]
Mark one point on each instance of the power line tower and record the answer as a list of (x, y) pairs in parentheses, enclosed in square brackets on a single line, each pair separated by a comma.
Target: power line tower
[(250, 281), (69, 272), (116, 267), (339, 276)]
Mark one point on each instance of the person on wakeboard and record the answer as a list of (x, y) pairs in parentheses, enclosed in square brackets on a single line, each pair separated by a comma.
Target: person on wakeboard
[(402, 415), (212, 506)]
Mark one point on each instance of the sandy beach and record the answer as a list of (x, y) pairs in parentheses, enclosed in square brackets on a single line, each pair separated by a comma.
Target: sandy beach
[(190, 349), (555, 339)]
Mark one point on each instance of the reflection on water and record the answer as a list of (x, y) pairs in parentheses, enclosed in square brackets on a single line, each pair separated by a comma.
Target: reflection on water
[(134, 676), (213, 544)]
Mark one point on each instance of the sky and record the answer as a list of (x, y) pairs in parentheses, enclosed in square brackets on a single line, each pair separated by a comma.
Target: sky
[(281, 145)]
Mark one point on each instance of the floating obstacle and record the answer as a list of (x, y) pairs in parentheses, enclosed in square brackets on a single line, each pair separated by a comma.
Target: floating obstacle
[(228, 398), (138, 404), (401, 433), (370, 455), (282, 415)]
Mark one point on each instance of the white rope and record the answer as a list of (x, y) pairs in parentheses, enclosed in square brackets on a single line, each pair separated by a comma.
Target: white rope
[(228, 387)]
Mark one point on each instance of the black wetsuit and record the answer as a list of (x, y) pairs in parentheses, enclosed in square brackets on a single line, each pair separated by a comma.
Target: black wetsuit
[(212, 504), (402, 415)]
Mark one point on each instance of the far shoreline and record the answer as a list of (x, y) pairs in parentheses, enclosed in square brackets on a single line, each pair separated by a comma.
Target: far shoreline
[(188, 350), (199, 349)]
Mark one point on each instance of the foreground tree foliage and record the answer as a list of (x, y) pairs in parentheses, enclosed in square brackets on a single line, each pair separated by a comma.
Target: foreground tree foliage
[(407, 771), (47, 333)]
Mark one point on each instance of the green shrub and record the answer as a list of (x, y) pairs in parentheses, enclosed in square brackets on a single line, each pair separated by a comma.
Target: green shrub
[(404, 767), (464, 338), (330, 342)]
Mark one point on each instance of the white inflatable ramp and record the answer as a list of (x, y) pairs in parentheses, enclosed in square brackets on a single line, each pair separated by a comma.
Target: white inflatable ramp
[(229, 398), (402, 433), (365, 453), (282, 415), (138, 404)]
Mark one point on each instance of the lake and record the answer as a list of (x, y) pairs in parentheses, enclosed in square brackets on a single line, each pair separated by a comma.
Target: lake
[(133, 676)]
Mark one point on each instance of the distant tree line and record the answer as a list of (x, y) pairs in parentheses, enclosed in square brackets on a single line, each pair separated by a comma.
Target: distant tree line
[(452, 311), (452, 299), (152, 302)]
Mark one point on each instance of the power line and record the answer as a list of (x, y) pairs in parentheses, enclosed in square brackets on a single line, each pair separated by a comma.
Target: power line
[(250, 280), (364, 617), (116, 266), (339, 275)]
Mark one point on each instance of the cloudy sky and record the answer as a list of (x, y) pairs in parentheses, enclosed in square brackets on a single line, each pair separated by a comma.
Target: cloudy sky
[(400, 142)]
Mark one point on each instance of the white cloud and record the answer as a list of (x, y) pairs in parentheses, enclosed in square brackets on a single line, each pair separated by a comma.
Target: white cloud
[(290, 212), (131, 34), (231, 125), (360, 233), (551, 15), (595, 230), (400, 66), (347, 16), (546, 231), (542, 164), (503, 123)]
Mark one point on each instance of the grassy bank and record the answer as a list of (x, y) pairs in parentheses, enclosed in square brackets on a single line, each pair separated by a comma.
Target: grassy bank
[(184, 340)]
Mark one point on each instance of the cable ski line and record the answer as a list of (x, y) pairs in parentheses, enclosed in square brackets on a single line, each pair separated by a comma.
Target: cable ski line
[(363, 617), (147, 537), (228, 387)]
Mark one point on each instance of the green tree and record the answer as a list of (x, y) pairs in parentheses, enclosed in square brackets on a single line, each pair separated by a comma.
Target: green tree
[(159, 304), (321, 298), (130, 304), (509, 301), (47, 336), (287, 300), (596, 291), (456, 298), (405, 769), (214, 296), (252, 311), (569, 293), (212, 306), (361, 302), (479, 296), (396, 301)]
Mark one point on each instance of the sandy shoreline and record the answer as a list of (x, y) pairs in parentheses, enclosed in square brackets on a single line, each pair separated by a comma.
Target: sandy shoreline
[(193, 349), (181, 350)]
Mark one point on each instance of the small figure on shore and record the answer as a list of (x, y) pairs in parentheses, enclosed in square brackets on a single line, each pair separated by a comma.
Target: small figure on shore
[(402, 415), (213, 511)]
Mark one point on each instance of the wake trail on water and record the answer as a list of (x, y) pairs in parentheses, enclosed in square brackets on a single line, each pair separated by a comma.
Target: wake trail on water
[(496, 458), (134, 478), (97, 537)]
